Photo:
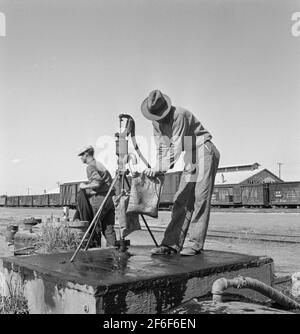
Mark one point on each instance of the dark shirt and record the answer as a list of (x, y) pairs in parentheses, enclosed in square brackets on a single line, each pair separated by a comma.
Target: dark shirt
[(179, 131), (98, 174)]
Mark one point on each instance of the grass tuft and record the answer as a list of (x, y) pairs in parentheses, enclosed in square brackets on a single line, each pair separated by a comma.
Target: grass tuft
[(57, 238), (15, 302)]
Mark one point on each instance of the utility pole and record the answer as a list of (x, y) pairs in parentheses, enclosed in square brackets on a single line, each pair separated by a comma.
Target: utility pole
[(27, 191), (279, 168)]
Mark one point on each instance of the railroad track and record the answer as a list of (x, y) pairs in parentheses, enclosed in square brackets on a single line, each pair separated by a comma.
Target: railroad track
[(254, 236), (217, 234), (242, 235)]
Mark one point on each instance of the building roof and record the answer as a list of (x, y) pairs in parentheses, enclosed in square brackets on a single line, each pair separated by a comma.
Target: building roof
[(259, 175), (235, 177), (232, 168)]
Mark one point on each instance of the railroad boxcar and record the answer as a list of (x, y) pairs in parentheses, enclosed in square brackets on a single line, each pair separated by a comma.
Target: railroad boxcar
[(54, 199), (35, 200), (170, 186), (22, 200), (25, 200), (43, 200), (12, 201), (222, 195), (68, 193), (284, 194), (9, 201), (255, 195), (69, 190), (28, 200), (3, 200), (237, 195), (40, 200)]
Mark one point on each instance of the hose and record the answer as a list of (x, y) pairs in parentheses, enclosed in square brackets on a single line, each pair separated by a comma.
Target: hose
[(240, 282)]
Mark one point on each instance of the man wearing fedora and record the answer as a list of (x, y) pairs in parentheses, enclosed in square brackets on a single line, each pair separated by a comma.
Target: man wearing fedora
[(177, 130), (92, 194)]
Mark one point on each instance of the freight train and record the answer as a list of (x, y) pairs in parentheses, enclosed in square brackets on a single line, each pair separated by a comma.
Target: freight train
[(264, 195), (45, 200)]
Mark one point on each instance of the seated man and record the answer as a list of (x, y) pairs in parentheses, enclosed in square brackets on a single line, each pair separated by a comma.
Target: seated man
[(92, 194)]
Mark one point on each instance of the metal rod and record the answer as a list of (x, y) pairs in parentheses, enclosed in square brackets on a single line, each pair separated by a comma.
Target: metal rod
[(93, 221), (145, 222), (148, 228)]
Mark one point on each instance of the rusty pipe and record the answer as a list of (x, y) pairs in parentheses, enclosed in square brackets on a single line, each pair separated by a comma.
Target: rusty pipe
[(240, 282)]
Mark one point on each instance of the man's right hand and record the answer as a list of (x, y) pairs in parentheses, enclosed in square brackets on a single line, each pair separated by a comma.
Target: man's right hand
[(151, 172)]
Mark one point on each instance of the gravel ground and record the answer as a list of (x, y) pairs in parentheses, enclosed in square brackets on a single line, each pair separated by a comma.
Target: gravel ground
[(286, 256)]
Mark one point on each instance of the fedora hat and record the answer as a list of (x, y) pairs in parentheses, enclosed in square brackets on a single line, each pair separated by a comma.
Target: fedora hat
[(156, 106)]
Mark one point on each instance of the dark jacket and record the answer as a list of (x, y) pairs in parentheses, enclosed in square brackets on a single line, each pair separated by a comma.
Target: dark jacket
[(97, 173)]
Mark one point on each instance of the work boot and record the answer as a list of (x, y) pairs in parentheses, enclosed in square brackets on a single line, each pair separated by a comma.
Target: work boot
[(189, 251), (163, 250)]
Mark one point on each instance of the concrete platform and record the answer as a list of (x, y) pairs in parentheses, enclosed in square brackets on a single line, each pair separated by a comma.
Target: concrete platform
[(105, 281)]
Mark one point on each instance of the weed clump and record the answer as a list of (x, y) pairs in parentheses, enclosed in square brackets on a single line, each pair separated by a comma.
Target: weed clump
[(55, 238), (15, 302)]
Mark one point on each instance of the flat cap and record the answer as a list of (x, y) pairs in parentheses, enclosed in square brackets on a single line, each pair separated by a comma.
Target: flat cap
[(85, 149)]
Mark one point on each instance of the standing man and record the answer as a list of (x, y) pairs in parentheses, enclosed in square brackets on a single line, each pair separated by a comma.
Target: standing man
[(177, 130), (99, 182)]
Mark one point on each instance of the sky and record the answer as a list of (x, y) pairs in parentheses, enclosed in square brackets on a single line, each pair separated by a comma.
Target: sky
[(68, 68)]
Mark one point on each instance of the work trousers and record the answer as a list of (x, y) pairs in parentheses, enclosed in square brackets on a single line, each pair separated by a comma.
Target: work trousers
[(191, 209), (84, 210), (106, 221), (87, 207)]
